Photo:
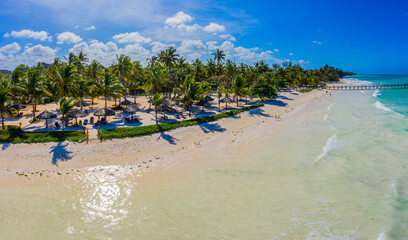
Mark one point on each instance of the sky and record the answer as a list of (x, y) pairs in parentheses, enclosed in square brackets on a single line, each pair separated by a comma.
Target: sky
[(360, 36)]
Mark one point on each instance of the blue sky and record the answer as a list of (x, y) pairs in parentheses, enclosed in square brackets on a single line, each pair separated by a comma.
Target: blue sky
[(360, 36)]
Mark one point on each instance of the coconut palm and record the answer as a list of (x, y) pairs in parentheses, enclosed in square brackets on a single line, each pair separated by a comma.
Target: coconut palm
[(5, 100), (65, 78), (123, 69), (219, 56), (156, 100), (238, 87), (65, 105), (220, 91), (109, 86), (34, 88), (190, 92)]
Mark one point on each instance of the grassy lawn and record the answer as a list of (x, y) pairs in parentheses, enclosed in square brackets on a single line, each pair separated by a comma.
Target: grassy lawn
[(126, 132), (14, 134)]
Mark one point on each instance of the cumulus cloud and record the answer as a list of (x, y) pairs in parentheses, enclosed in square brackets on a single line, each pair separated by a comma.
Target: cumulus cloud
[(92, 27), (276, 50), (68, 38), (317, 42), (178, 18), (133, 37), (30, 56), (41, 35), (192, 46), (290, 54), (11, 48), (159, 46), (228, 37), (214, 28)]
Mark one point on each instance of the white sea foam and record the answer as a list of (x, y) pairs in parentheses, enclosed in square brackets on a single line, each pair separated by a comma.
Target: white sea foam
[(328, 109), (326, 117), (332, 143), (330, 106), (380, 105), (381, 236), (376, 93)]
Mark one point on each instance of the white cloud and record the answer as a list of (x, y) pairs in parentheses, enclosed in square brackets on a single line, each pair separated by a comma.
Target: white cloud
[(276, 50), (92, 27), (189, 28), (133, 37), (178, 18), (191, 46), (317, 42), (68, 38), (41, 35), (228, 37), (214, 27), (40, 51), (290, 54), (11, 48), (159, 46), (193, 56)]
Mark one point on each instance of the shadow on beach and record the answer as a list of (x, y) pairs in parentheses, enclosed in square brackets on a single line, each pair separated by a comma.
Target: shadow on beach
[(211, 127), (60, 153), (170, 139), (258, 112)]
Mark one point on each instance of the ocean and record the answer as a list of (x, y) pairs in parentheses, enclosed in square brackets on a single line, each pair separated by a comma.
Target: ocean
[(336, 169)]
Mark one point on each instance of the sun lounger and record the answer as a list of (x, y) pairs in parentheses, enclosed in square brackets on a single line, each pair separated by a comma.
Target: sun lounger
[(86, 122), (91, 121), (57, 125)]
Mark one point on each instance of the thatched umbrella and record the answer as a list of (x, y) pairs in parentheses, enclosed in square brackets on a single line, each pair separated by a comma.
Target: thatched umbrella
[(76, 114), (104, 112), (166, 108), (226, 100), (125, 102), (81, 104), (46, 115), (208, 98), (131, 109), (18, 107)]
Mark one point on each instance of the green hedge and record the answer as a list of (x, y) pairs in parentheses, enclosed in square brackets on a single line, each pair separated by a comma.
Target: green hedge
[(14, 134), (125, 132)]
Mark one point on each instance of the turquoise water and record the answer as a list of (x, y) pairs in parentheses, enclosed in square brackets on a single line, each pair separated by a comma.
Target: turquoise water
[(337, 169)]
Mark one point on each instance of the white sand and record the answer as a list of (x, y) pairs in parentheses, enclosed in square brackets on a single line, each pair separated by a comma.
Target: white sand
[(43, 163)]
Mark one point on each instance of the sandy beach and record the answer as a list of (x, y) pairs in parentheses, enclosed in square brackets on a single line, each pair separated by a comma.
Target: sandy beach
[(44, 163)]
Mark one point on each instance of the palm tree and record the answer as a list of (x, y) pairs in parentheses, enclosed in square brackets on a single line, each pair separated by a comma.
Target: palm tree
[(219, 56), (220, 91), (65, 78), (34, 88), (169, 58), (65, 105), (157, 100), (109, 86), (123, 69), (5, 100), (191, 92), (238, 87)]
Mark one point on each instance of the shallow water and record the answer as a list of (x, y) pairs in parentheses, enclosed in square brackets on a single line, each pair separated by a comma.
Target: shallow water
[(335, 170)]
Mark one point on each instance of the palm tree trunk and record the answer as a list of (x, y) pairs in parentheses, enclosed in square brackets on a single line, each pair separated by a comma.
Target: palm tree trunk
[(2, 121), (155, 110), (219, 106), (34, 111), (63, 124)]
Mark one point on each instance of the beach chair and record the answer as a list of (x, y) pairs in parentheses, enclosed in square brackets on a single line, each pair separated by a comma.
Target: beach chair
[(86, 122), (57, 125), (91, 121), (66, 122), (80, 123), (20, 115), (86, 111)]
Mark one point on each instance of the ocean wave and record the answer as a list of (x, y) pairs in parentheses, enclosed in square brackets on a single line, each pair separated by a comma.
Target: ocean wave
[(328, 109), (332, 143), (380, 105), (381, 236), (376, 93), (358, 82)]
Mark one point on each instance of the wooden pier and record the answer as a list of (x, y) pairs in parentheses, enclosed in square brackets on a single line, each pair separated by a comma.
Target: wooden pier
[(365, 87)]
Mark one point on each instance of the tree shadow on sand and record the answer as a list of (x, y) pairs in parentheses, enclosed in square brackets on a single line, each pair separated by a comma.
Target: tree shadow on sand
[(211, 127), (60, 153), (258, 112), (5, 146), (168, 138)]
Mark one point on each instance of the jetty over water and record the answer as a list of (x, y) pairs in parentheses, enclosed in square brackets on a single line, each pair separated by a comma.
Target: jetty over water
[(365, 87)]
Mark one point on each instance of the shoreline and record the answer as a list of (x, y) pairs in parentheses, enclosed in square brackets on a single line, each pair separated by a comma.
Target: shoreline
[(23, 165)]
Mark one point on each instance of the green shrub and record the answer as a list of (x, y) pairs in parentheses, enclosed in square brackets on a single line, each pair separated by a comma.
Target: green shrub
[(125, 132), (14, 134)]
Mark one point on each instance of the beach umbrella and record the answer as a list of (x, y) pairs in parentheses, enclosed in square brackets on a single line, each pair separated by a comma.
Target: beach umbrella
[(104, 112), (46, 115), (226, 100), (76, 114), (125, 102), (131, 109), (18, 107), (203, 103), (208, 98), (166, 108), (81, 104)]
